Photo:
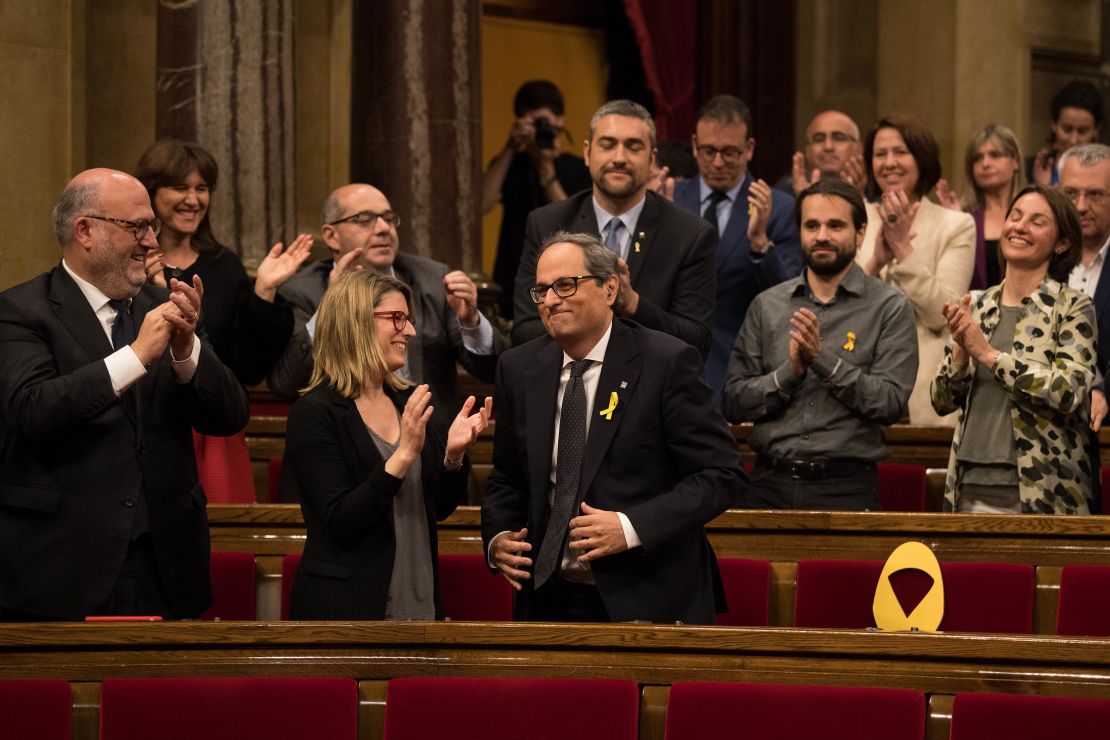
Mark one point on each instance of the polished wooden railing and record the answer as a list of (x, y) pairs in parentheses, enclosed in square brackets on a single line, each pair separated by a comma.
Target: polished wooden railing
[(781, 537), (654, 656)]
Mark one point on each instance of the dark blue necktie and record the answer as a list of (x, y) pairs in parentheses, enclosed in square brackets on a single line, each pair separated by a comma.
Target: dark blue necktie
[(568, 469), (710, 214), (123, 331)]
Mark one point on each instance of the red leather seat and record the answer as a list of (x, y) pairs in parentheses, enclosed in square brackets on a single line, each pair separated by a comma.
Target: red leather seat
[(228, 708), (470, 592), (978, 597), (35, 710), (901, 487), (1024, 717), (770, 712), (747, 588), (1084, 605), (535, 708), (224, 469), (233, 586)]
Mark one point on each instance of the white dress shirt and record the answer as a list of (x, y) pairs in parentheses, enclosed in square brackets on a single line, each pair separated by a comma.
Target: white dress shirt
[(1085, 277)]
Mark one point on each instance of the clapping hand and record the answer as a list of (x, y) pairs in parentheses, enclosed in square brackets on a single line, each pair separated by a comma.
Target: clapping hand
[(465, 429), (279, 265)]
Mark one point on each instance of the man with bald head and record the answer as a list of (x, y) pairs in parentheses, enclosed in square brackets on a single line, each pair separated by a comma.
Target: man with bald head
[(832, 150), (360, 229), (103, 377)]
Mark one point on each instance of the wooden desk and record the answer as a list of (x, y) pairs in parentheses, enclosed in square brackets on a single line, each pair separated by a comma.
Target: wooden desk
[(654, 656), (782, 537)]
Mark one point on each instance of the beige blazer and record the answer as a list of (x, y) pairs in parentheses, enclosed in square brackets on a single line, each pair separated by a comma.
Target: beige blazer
[(938, 271)]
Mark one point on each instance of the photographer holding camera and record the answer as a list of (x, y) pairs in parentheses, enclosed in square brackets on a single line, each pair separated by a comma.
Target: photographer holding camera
[(531, 171)]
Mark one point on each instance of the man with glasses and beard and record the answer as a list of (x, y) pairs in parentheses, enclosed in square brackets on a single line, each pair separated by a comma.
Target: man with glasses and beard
[(665, 253), (103, 378), (821, 364)]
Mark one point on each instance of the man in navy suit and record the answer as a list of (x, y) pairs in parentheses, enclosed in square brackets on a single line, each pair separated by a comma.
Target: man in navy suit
[(608, 458), (758, 245), (666, 254)]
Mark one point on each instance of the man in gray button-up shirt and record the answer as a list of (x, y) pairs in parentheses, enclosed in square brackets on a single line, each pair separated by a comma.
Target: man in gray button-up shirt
[(821, 364)]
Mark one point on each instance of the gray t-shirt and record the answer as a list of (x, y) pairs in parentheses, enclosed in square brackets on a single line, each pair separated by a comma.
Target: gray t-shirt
[(411, 587), (987, 455)]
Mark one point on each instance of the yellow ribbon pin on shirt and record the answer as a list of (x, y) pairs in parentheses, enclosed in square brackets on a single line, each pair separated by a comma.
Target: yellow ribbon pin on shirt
[(608, 413), (851, 343)]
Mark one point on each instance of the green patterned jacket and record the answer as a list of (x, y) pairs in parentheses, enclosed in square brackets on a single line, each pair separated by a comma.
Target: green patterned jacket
[(1049, 374)]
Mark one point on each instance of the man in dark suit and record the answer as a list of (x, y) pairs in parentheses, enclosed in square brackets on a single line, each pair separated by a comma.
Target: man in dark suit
[(666, 255), (360, 229), (103, 377), (611, 421), (759, 244), (1085, 180)]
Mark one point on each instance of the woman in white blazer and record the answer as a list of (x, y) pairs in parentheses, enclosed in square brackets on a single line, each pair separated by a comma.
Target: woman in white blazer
[(926, 251)]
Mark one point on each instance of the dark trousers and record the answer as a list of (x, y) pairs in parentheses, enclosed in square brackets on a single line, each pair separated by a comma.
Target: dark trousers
[(138, 590), (563, 601), (768, 490)]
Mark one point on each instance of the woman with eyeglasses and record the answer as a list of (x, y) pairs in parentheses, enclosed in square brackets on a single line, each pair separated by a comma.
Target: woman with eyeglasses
[(1019, 369), (992, 164), (246, 324), (924, 250), (373, 477)]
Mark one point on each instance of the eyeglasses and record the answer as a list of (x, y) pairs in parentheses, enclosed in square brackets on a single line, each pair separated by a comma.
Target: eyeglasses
[(1094, 197), (399, 318), (838, 137), (564, 287), (729, 154), (365, 219), (137, 228)]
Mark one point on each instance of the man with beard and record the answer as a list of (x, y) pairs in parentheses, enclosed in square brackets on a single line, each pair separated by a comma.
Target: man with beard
[(666, 272), (103, 378), (821, 364)]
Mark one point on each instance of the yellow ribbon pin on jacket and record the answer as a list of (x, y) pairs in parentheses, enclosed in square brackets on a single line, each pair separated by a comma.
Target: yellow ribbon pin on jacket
[(608, 412), (851, 343)]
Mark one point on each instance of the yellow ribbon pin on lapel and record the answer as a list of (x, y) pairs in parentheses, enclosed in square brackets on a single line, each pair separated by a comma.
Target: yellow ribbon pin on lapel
[(850, 345), (608, 413)]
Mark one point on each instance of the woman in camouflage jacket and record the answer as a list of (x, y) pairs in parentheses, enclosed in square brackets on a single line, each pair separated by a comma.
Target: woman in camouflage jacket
[(1045, 374)]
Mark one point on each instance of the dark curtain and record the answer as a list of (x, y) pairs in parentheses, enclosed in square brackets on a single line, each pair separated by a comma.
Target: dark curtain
[(666, 33)]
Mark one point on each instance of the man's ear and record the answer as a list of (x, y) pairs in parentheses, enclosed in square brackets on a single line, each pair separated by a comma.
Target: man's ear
[(330, 237), (586, 152), (82, 231), (612, 288)]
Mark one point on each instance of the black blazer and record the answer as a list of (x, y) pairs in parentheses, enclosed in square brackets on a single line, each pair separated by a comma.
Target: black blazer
[(432, 353), (334, 469), (666, 459), (73, 456), (672, 269)]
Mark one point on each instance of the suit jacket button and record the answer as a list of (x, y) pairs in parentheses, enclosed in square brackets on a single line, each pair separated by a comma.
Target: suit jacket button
[(139, 450), (129, 502)]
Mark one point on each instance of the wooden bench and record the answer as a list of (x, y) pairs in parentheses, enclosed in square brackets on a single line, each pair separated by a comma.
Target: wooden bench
[(654, 656), (781, 537)]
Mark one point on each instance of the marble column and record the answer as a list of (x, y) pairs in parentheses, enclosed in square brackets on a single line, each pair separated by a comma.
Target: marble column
[(225, 80), (416, 120)]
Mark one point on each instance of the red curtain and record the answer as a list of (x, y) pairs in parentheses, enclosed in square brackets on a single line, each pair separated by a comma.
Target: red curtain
[(666, 31)]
